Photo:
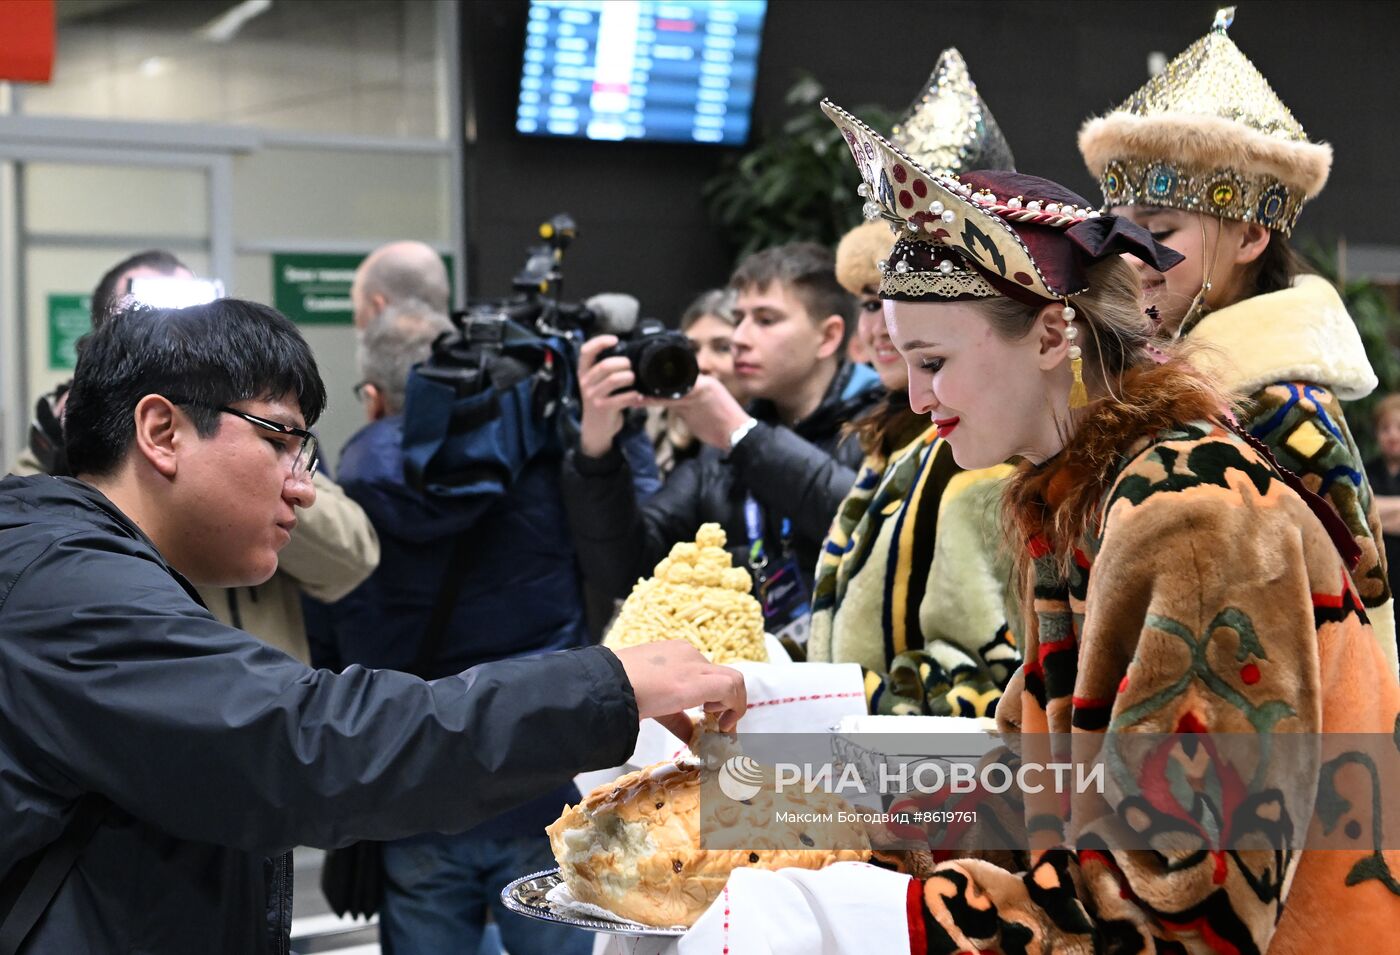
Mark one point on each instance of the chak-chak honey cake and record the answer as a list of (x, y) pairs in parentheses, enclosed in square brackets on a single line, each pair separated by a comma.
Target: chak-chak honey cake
[(633, 845), (695, 594)]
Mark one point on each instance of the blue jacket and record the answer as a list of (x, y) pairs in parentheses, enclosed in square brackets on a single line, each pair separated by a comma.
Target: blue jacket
[(521, 577), (520, 592)]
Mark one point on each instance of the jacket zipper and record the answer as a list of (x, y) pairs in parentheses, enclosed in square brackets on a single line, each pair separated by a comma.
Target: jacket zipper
[(282, 903)]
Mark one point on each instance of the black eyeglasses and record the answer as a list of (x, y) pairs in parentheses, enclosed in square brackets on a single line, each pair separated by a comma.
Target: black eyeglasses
[(308, 456)]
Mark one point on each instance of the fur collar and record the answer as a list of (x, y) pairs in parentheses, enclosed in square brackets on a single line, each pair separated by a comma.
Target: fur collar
[(1298, 334), (1055, 504)]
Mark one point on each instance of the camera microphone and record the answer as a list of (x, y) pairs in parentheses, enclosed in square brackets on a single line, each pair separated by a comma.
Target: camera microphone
[(616, 313)]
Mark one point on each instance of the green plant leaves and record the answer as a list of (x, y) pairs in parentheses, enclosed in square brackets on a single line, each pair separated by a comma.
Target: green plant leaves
[(798, 184), (1376, 321)]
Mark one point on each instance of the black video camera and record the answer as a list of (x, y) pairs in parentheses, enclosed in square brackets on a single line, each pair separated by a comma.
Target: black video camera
[(663, 361)]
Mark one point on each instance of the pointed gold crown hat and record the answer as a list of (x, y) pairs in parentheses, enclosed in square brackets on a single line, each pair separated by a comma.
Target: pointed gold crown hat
[(947, 129), (1208, 134)]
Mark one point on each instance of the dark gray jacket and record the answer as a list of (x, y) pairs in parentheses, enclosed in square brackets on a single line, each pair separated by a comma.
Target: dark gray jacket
[(801, 473), (219, 753)]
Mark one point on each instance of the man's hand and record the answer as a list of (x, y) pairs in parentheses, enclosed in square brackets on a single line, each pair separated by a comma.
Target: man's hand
[(670, 677), (602, 408), (710, 412)]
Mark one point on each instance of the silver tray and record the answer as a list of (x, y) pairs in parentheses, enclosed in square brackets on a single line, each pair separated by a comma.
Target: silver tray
[(527, 897)]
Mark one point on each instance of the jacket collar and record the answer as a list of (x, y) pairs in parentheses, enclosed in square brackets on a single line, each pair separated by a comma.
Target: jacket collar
[(1301, 333), (64, 501), (851, 389)]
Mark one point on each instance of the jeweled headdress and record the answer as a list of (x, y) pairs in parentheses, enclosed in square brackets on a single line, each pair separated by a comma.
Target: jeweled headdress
[(947, 129), (985, 232), (1208, 134)]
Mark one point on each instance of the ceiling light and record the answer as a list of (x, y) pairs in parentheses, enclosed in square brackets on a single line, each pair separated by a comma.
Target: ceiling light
[(226, 25)]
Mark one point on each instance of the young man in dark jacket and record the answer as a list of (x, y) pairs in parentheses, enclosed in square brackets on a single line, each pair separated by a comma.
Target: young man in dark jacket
[(772, 474), (194, 753)]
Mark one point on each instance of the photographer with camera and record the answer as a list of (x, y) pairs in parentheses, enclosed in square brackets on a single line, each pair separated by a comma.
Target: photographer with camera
[(709, 324), (455, 587), (772, 475)]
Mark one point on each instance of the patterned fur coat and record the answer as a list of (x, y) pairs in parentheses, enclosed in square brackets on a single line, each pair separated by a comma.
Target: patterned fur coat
[(1297, 356), (1204, 596), (912, 583)]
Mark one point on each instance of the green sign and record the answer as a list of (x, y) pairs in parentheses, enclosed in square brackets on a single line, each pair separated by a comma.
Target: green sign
[(313, 288), (70, 318)]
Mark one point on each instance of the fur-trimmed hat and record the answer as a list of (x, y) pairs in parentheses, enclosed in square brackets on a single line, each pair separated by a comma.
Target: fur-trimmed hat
[(1208, 134), (859, 255)]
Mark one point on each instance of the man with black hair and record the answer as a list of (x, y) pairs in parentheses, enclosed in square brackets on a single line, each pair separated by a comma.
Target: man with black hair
[(115, 283), (773, 474), (333, 550), (156, 764), (46, 452)]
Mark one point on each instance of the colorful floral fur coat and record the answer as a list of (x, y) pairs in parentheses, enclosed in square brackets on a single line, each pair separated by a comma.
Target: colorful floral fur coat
[(912, 583), (1205, 596), (1297, 356)]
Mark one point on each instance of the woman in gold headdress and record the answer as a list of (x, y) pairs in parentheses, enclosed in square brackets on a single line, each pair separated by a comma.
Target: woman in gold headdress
[(1179, 585), (912, 581), (1208, 158)]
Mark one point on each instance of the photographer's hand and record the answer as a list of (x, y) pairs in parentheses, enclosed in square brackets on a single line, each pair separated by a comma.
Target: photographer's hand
[(602, 408), (710, 412)]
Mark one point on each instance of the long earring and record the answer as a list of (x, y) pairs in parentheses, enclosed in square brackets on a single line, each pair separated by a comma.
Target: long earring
[(1078, 396), (1198, 302)]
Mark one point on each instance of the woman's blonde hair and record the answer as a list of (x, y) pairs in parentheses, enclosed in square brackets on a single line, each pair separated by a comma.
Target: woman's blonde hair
[(1116, 336), (1115, 331)]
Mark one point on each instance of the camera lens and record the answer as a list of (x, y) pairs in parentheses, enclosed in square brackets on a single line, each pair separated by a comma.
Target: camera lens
[(666, 368)]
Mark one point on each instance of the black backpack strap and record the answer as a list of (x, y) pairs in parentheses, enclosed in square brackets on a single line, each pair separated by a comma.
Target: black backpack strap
[(442, 610), (48, 876)]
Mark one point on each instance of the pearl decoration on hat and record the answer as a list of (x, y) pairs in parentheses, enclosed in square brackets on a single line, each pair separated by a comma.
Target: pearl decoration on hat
[(936, 208), (901, 266), (948, 215), (863, 190), (883, 265), (946, 266)]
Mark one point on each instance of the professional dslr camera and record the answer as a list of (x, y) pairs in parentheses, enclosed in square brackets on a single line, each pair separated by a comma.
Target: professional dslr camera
[(503, 387), (663, 360)]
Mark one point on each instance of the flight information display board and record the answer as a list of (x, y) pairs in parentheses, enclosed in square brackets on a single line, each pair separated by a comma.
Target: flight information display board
[(641, 69)]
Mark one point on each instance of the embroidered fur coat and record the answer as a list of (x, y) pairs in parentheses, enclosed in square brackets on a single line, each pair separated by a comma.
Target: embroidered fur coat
[(912, 583), (1296, 356), (1204, 595)]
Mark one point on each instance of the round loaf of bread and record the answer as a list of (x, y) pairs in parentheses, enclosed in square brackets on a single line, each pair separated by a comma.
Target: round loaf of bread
[(633, 846)]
